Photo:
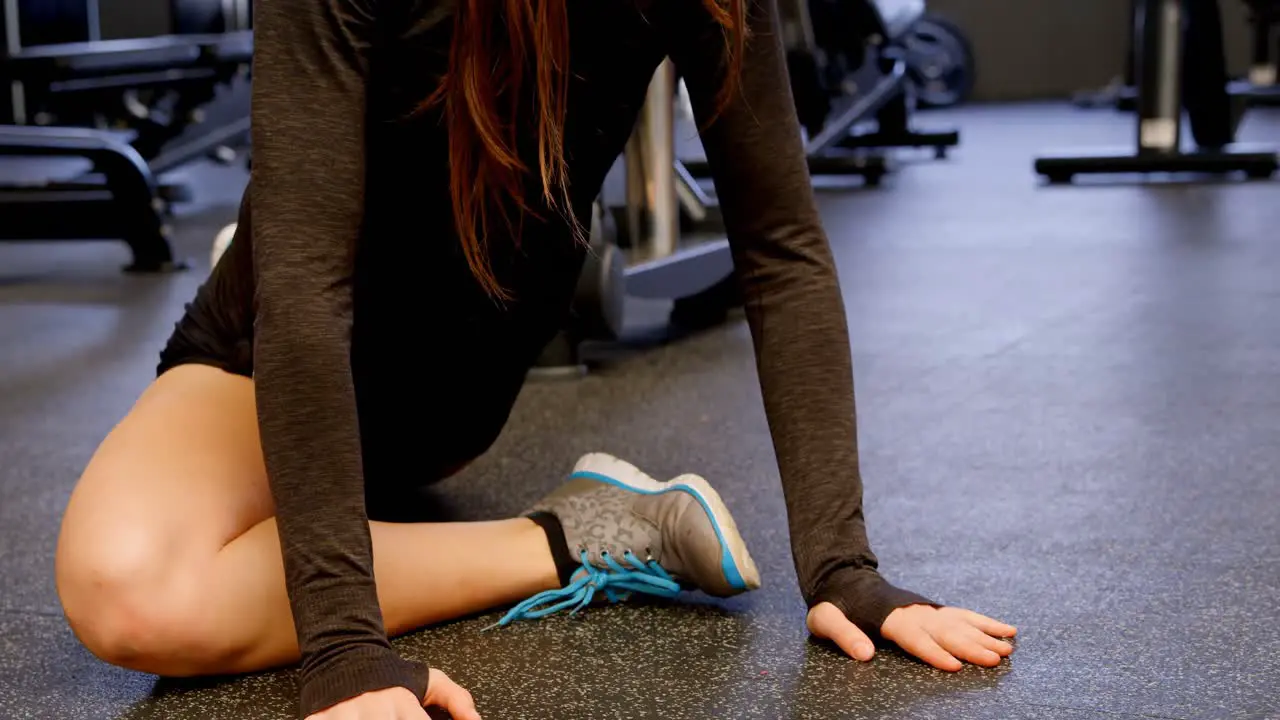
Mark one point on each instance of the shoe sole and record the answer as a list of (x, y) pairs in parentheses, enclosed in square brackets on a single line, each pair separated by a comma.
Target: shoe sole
[(739, 568)]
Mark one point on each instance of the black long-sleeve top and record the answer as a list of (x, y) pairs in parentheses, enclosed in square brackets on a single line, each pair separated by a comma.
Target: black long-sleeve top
[(357, 272)]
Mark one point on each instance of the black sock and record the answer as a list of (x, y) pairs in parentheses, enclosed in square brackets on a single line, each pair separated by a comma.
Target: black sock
[(566, 566)]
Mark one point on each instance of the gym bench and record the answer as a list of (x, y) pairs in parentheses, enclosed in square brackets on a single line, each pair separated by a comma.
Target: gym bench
[(120, 197), (124, 206)]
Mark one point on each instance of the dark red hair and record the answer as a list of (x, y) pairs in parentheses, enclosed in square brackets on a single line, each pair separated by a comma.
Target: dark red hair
[(498, 46)]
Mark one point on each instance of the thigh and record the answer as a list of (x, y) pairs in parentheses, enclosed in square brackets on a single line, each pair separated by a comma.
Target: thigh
[(180, 477)]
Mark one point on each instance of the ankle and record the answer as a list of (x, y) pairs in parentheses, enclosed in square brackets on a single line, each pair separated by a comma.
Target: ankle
[(557, 545)]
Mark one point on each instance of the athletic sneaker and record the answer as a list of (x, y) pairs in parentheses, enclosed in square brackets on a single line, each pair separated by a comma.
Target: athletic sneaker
[(221, 243), (633, 534)]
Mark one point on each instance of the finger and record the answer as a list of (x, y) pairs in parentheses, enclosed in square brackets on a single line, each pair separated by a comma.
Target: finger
[(827, 622), (995, 645), (438, 686), (963, 642), (453, 697), (919, 643), (994, 628), (463, 706)]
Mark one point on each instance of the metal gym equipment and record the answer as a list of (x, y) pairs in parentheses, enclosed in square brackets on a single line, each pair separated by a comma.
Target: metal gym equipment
[(660, 262), (119, 198), (941, 65), (1262, 86), (848, 69), (1175, 66), (1258, 87)]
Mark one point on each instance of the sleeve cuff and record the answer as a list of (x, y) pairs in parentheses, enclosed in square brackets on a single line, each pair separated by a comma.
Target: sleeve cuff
[(865, 598), (359, 671)]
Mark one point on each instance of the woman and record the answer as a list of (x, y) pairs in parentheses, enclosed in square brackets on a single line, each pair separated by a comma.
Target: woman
[(408, 244)]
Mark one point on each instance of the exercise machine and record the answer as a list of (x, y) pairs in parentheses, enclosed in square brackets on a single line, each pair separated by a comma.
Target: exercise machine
[(1262, 86), (1179, 64), (1258, 87), (151, 88), (119, 196), (154, 88), (849, 70), (659, 261)]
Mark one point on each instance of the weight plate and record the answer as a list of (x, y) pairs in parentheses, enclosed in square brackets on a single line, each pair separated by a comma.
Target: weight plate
[(940, 62)]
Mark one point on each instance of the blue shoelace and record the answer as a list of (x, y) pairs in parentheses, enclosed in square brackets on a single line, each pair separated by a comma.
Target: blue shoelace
[(617, 581)]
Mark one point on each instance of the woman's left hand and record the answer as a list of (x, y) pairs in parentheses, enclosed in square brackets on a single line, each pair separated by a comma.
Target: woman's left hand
[(941, 637)]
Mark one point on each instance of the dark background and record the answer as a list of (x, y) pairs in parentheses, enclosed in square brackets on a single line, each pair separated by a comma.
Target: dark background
[(1027, 49), (133, 18), (1033, 49)]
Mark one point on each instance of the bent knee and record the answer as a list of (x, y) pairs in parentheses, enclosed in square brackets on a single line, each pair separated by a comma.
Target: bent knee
[(133, 606)]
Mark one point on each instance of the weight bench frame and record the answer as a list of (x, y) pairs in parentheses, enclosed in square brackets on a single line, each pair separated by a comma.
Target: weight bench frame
[(98, 72), (126, 207), (119, 198)]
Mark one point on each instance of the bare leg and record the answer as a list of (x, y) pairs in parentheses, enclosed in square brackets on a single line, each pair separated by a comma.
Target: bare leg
[(169, 561), (426, 574)]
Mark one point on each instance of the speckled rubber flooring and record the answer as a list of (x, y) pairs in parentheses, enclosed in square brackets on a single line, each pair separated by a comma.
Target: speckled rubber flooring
[(1068, 402)]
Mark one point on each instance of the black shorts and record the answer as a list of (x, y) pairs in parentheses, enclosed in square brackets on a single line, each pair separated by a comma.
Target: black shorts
[(423, 415), (217, 327), (400, 456), (217, 331)]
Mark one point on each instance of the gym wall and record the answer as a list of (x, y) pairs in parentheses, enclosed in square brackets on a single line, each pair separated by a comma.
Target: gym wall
[(1049, 49)]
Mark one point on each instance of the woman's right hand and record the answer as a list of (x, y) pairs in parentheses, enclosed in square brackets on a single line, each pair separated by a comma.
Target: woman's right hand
[(401, 704)]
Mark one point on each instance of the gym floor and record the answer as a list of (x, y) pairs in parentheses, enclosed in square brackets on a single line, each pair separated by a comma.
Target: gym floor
[(1067, 400)]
